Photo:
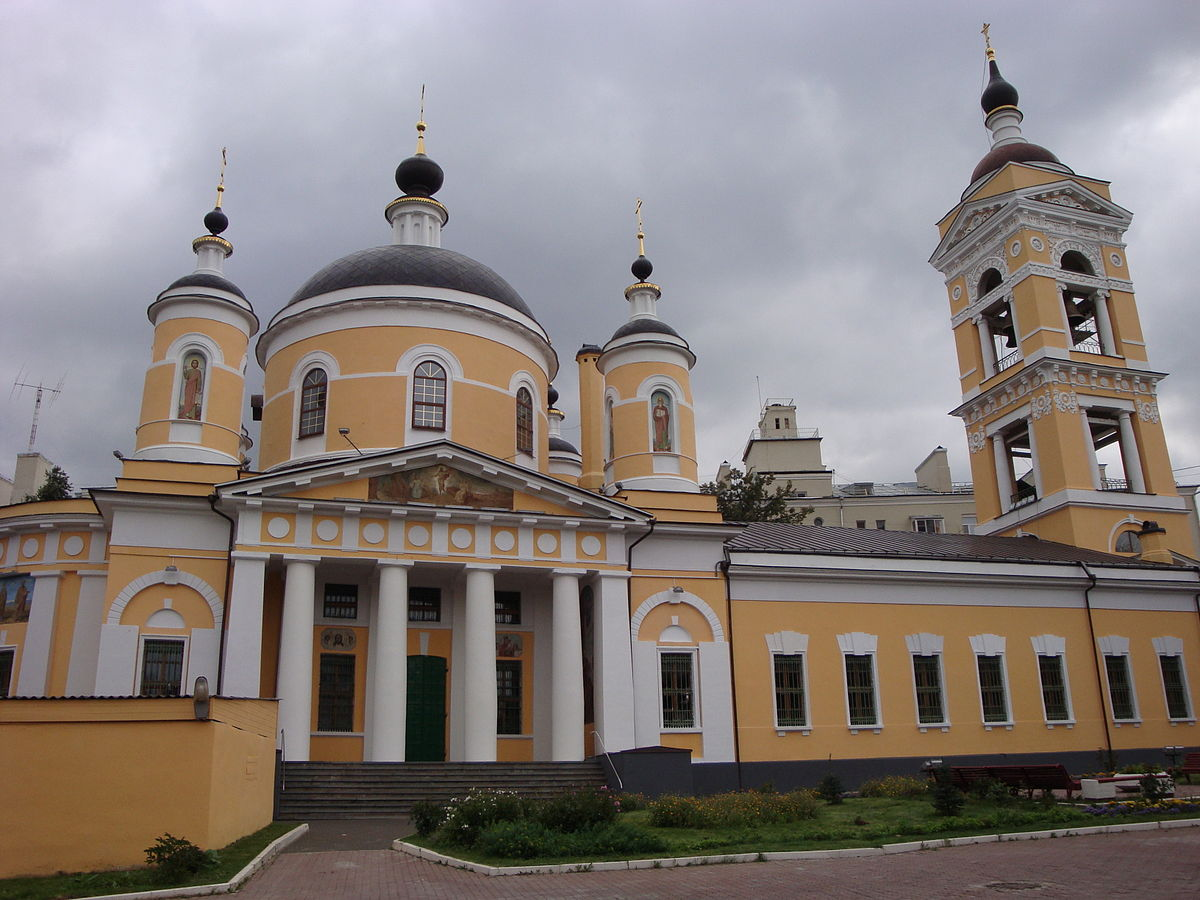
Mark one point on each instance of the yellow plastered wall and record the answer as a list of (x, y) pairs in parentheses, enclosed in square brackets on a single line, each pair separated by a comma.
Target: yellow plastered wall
[(633, 454), (591, 421), (340, 748), (100, 780)]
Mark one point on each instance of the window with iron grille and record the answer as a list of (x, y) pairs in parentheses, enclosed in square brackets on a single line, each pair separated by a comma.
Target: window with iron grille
[(341, 601), (1054, 688), (524, 421), (860, 689), (927, 680), (424, 604), (162, 668), (335, 693), (6, 666), (991, 688), (508, 607), (429, 397), (678, 693), (508, 696), (791, 709), (313, 393), (1175, 686), (1120, 687)]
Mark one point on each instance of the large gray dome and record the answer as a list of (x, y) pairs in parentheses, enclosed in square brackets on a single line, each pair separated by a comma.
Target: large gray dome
[(416, 265)]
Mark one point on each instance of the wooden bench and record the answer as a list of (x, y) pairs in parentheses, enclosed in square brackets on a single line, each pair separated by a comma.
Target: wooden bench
[(1190, 767), (1028, 778)]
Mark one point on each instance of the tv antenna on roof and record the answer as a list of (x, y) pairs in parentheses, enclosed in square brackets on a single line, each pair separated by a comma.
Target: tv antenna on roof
[(39, 390)]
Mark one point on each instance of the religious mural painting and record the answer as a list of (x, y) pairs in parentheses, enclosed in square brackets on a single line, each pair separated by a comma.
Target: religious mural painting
[(660, 413), (16, 596), (439, 485), (191, 387), (511, 646)]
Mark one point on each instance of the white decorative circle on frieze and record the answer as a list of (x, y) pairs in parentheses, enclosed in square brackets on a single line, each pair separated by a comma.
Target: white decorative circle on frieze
[(1036, 244), (29, 548), (1014, 248), (547, 543), (327, 530), (418, 535), (1066, 401), (1041, 405), (373, 533), (976, 440), (73, 545), (590, 545), (1115, 259), (279, 527), (1148, 411), (957, 292), (461, 538), (504, 541)]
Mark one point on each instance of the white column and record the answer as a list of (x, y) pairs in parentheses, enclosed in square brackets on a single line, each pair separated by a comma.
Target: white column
[(1090, 443), (1004, 481), (1130, 456), (389, 681), (243, 637), (1033, 461), (479, 665), (566, 683), (986, 347), (295, 657), (1104, 323), (613, 676), (31, 680)]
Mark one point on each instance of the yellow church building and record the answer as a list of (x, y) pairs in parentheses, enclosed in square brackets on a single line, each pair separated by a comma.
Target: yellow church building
[(418, 566)]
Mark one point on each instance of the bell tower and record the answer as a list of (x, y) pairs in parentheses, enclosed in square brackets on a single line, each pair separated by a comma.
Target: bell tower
[(1059, 397)]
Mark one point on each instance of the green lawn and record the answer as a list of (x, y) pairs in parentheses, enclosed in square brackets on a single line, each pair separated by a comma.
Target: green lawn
[(87, 884), (857, 822)]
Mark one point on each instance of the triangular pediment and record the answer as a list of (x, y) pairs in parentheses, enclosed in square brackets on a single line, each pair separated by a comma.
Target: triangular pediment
[(439, 475)]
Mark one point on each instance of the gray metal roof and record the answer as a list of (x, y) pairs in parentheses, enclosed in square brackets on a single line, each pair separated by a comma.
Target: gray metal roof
[(202, 279), (772, 537)]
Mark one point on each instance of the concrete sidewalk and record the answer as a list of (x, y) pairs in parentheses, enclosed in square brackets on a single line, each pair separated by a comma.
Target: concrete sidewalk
[(350, 834)]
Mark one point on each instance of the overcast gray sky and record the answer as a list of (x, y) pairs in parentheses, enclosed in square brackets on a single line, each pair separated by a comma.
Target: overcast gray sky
[(792, 157)]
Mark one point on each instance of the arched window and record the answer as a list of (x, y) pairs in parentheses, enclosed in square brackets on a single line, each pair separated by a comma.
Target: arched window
[(990, 280), (192, 385), (524, 421), (1129, 542), (610, 431), (429, 397), (661, 414), (1074, 261), (313, 391)]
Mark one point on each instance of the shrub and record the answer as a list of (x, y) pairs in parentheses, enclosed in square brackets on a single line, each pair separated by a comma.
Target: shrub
[(947, 799), (467, 816), (577, 810), (522, 839), (830, 789), (895, 787), (526, 839), (675, 812), (178, 859), (426, 816), (614, 837), (992, 790), (1156, 788), (632, 802)]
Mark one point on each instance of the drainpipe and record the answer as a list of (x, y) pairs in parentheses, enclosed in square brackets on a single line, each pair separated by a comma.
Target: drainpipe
[(1087, 602), (212, 502), (723, 565)]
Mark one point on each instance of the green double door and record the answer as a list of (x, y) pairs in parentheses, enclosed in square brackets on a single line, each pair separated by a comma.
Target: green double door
[(425, 738)]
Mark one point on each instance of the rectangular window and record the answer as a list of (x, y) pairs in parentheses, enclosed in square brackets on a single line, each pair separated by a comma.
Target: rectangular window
[(162, 668), (991, 688), (508, 607), (341, 601), (1175, 686), (335, 695), (860, 689), (1054, 688), (678, 692), (860, 523), (881, 524), (508, 696), (424, 604), (1120, 687), (928, 524), (790, 706), (968, 524), (7, 657), (927, 679)]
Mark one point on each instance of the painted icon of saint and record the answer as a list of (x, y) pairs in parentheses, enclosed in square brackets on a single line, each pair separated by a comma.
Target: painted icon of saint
[(191, 392), (661, 414)]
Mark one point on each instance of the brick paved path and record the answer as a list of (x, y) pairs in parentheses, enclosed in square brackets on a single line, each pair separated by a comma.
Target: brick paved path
[(1143, 864)]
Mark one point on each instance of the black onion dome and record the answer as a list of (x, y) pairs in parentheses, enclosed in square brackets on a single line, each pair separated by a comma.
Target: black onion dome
[(203, 280), (557, 443), (645, 326), (216, 221), (1021, 151), (419, 176), (641, 268), (412, 264), (998, 91), (551, 396)]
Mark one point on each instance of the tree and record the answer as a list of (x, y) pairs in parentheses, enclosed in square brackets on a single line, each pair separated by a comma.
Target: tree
[(57, 486), (748, 497)]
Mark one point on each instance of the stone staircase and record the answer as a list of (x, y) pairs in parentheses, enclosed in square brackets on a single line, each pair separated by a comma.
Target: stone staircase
[(329, 790)]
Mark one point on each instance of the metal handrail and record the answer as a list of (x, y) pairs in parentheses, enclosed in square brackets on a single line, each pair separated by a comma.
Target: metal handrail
[(282, 760), (1009, 361), (608, 756)]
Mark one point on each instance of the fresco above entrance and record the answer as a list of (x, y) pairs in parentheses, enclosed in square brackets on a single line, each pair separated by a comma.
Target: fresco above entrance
[(439, 485)]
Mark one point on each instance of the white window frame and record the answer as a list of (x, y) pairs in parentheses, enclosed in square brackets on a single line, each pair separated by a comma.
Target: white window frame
[(939, 523), (1173, 646), (694, 654), (183, 671), (992, 646), (1118, 646), (859, 643), (790, 643), (1053, 645), (926, 644)]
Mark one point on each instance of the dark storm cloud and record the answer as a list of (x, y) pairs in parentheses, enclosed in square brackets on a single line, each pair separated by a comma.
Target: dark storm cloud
[(793, 160)]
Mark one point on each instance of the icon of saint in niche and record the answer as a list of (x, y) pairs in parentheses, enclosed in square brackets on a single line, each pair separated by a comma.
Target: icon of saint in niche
[(661, 414), (191, 390)]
